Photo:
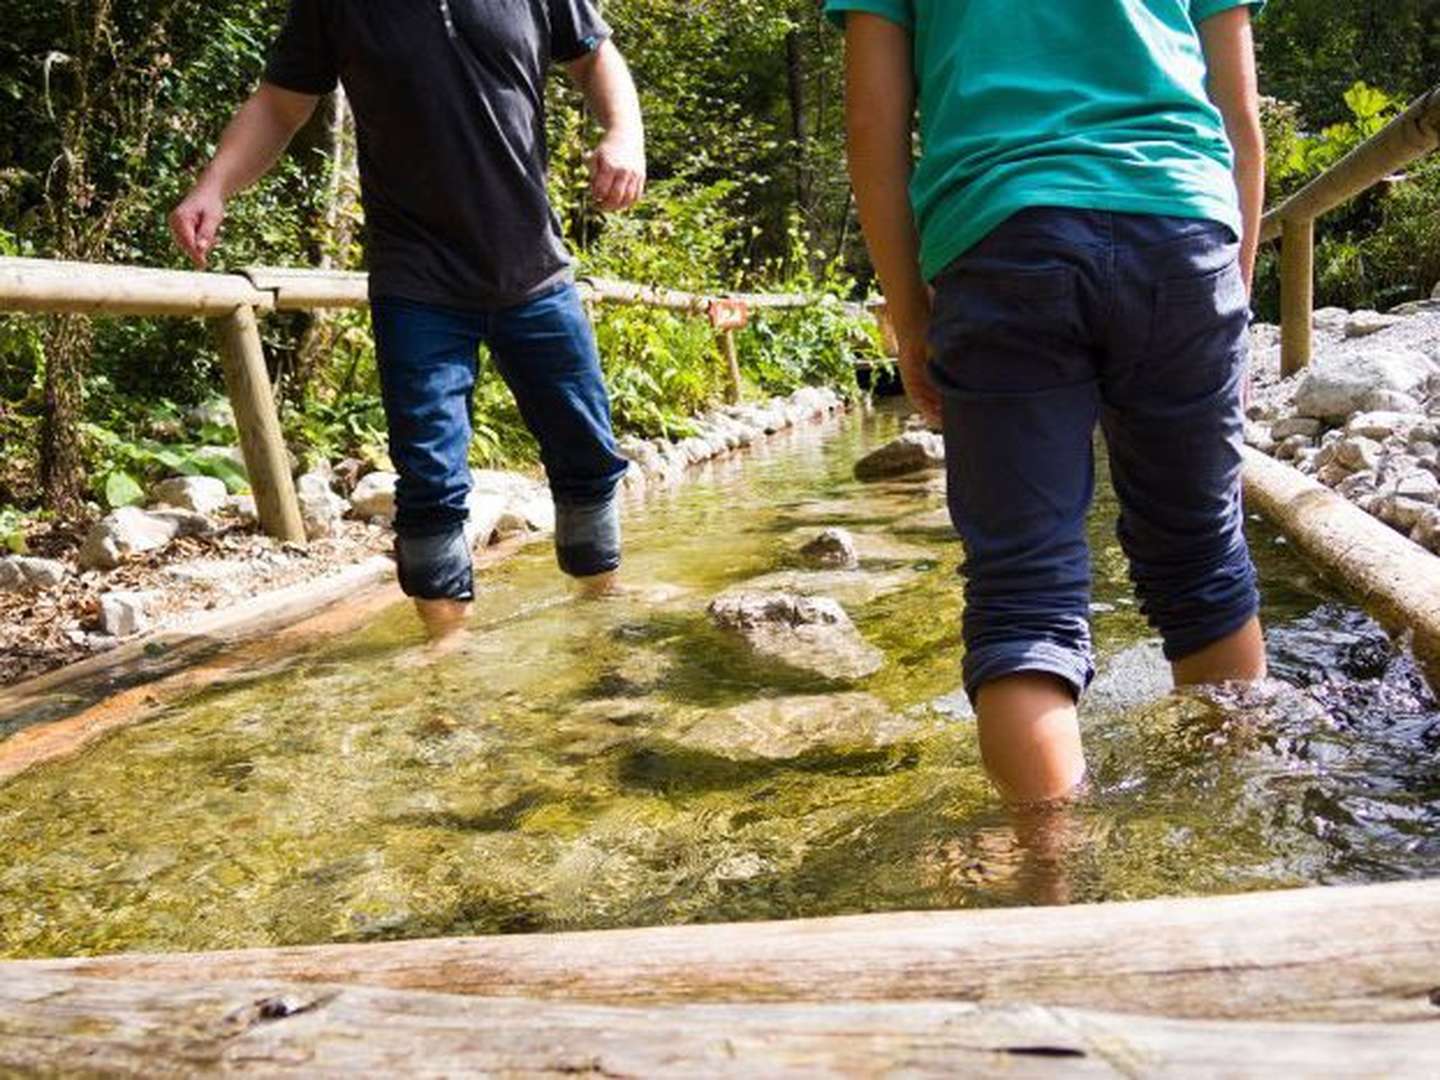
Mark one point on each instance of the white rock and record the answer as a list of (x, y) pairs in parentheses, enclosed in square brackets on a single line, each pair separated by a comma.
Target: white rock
[(1381, 425), (20, 572), (1331, 320), (499, 482), (127, 531), (123, 614), (1357, 484), (486, 510), (1390, 401), (1419, 485), (1426, 530), (374, 497), (1337, 387), (215, 413), (1364, 323), (320, 508), (184, 522), (1398, 511), (1290, 448), (1295, 425), (243, 507), (202, 494), (809, 633), (1358, 453)]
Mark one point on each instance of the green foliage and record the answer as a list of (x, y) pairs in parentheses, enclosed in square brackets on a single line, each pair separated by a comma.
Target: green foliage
[(1380, 249)]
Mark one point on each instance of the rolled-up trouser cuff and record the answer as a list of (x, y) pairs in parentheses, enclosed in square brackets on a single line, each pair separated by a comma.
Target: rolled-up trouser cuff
[(437, 566), (991, 662), (1220, 626), (587, 537)]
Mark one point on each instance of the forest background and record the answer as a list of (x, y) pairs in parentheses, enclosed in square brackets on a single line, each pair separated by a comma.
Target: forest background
[(107, 109)]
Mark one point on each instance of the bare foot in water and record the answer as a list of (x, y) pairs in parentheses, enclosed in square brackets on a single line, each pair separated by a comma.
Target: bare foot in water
[(444, 622), (610, 587)]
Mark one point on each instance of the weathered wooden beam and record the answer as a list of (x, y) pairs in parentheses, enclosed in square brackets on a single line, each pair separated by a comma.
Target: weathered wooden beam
[(56, 1024), (308, 290), (45, 285), (1342, 955), (266, 460), (1297, 296), (622, 292), (1412, 135)]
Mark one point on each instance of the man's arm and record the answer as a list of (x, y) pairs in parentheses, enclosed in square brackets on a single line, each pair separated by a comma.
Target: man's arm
[(252, 143), (880, 110), (1233, 87), (617, 167)]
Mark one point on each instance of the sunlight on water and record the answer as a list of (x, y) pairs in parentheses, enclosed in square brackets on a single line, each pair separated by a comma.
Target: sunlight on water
[(602, 765)]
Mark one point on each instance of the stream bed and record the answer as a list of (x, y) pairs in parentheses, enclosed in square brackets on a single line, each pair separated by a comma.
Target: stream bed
[(625, 763)]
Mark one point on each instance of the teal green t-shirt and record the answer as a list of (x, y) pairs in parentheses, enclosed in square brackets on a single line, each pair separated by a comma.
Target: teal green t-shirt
[(1088, 104)]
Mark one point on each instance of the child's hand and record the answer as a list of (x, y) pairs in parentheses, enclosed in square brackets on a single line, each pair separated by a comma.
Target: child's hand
[(915, 372)]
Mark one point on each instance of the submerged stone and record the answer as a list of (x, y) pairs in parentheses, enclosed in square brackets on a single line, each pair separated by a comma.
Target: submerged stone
[(792, 728), (808, 633), (832, 548)]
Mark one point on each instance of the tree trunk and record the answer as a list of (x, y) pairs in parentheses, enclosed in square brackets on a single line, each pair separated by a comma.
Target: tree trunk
[(62, 472), (799, 125)]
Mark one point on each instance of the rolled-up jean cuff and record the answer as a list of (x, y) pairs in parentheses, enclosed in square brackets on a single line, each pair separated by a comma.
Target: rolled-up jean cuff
[(587, 537), (1179, 646), (437, 566), (993, 662)]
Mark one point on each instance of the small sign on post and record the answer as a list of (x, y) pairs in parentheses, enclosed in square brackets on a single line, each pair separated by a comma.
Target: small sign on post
[(728, 316)]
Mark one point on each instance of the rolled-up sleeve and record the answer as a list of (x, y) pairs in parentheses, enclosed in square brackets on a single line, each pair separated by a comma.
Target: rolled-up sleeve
[(576, 29), (901, 12), (303, 56), (1200, 10)]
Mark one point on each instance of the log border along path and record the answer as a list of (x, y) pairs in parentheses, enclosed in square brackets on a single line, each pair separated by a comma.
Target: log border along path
[(1339, 982)]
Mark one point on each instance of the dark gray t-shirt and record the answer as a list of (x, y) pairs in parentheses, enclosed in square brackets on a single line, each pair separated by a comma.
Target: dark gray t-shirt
[(449, 103)]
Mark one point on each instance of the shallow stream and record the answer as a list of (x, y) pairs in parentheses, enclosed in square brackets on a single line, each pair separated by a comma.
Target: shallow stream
[(548, 774)]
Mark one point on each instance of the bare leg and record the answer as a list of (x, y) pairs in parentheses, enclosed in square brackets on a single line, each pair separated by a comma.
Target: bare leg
[(1237, 658), (1030, 737), (599, 586), (443, 619)]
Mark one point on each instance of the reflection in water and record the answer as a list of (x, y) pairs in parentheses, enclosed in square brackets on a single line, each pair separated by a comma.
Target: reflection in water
[(570, 765)]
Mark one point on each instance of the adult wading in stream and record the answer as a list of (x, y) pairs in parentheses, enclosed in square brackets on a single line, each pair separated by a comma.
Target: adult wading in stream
[(1076, 248), (463, 247)]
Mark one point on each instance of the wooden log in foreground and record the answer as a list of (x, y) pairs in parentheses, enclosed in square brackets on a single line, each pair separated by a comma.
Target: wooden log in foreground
[(56, 1023), (1395, 579), (1365, 954)]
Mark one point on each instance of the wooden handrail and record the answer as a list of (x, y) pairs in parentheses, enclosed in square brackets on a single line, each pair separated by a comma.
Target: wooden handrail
[(1414, 134), (232, 301)]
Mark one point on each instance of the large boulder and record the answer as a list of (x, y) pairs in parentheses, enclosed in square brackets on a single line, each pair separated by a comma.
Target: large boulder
[(1338, 386), (811, 634), (794, 728), (125, 532), (1364, 323), (202, 494), (915, 451)]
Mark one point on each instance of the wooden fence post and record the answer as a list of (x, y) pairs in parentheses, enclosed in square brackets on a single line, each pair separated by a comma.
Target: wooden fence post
[(266, 460), (1297, 294), (732, 361)]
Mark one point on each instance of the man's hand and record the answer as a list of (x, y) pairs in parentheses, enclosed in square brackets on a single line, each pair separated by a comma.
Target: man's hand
[(195, 223), (617, 171)]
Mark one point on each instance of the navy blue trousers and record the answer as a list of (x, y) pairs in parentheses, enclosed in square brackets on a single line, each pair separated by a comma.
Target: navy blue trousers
[(545, 351), (1058, 321)]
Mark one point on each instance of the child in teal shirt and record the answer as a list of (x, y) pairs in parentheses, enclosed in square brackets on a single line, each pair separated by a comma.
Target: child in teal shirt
[(1073, 248)]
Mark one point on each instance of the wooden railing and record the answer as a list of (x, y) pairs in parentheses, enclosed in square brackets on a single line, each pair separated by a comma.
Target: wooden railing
[(1411, 136), (233, 303)]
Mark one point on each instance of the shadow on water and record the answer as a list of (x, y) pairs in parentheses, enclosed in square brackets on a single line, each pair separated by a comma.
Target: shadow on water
[(625, 763)]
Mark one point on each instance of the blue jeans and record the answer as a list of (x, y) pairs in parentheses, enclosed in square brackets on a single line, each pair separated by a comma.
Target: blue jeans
[(545, 351), (1058, 321)]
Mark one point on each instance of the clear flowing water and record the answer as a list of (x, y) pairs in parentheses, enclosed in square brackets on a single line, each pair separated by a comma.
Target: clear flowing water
[(534, 780)]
